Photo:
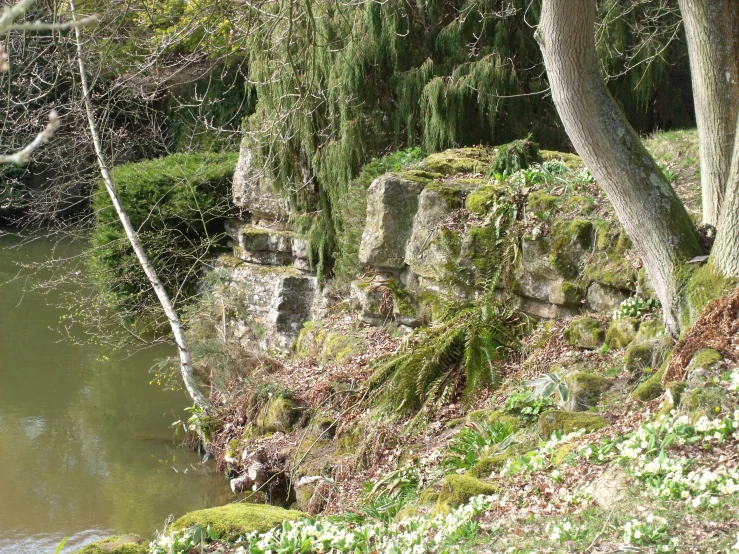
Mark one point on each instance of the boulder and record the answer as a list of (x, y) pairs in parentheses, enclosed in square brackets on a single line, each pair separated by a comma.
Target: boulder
[(585, 391), (367, 298), (622, 332), (585, 332), (429, 247), (458, 489), (392, 203), (650, 355), (233, 520), (279, 415), (568, 422), (651, 388), (602, 298)]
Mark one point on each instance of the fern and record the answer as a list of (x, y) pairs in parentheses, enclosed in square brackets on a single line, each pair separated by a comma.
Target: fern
[(462, 349)]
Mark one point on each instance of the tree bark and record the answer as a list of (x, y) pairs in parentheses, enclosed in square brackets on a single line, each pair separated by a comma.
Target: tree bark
[(712, 31), (725, 253), (174, 320), (645, 203)]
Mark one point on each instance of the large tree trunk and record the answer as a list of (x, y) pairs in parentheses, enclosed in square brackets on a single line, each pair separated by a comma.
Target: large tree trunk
[(174, 320), (725, 254), (645, 203), (712, 30)]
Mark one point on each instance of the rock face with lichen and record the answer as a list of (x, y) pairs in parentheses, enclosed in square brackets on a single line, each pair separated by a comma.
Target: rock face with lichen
[(413, 237)]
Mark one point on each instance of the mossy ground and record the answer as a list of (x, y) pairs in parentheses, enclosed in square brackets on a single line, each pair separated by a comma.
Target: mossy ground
[(233, 520)]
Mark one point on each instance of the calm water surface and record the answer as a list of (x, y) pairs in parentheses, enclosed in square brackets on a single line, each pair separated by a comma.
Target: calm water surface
[(86, 447)]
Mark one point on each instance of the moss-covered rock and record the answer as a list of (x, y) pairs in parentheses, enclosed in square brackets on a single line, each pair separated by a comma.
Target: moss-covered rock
[(568, 422), (541, 202), (307, 344), (458, 489), (457, 161), (650, 330), (337, 348), (585, 332), (485, 466), (710, 401), (124, 544), (561, 454), (572, 161), (279, 415), (566, 293), (651, 388), (490, 416), (622, 332), (482, 199), (585, 391), (642, 355), (232, 520), (570, 242), (705, 358)]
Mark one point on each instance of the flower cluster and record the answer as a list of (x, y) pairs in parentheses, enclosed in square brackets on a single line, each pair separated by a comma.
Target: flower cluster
[(633, 307), (652, 531), (562, 531)]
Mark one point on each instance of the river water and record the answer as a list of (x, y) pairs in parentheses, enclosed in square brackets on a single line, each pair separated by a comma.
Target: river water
[(86, 447)]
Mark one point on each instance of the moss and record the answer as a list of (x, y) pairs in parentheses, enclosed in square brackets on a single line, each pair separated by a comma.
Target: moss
[(580, 204), (585, 332), (482, 199), (428, 496), (452, 194), (454, 162), (573, 161), (567, 294), (403, 302), (650, 330), (232, 520), (611, 270), (561, 454), (540, 201), (420, 176), (337, 348), (568, 239), (568, 422), (651, 354), (651, 388), (349, 440), (485, 466), (306, 345), (232, 449), (492, 416), (585, 390), (701, 286), (622, 332), (280, 415), (704, 400), (458, 489), (705, 358), (128, 544)]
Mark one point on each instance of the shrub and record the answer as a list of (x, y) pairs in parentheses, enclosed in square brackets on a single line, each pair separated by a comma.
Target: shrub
[(178, 205)]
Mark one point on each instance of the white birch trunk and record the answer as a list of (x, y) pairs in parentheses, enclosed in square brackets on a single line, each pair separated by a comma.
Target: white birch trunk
[(645, 203), (174, 320)]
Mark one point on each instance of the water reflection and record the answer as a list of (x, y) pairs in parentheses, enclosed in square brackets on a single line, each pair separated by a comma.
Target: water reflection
[(86, 447)]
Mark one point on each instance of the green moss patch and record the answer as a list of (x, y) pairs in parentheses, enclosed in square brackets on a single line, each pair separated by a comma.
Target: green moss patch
[(458, 489), (280, 415), (337, 348), (482, 199), (642, 355), (651, 388), (585, 390), (232, 520), (457, 161), (585, 332), (569, 241), (128, 544), (622, 332), (568, 422)]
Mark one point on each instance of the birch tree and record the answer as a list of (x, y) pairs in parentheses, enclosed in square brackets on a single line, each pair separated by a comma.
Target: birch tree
[(644, 201), (186, 368)]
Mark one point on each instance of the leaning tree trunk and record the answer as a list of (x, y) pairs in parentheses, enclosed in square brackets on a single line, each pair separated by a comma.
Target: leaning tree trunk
[(174, 320), (711, 27), (645, 203), (725, 253)]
